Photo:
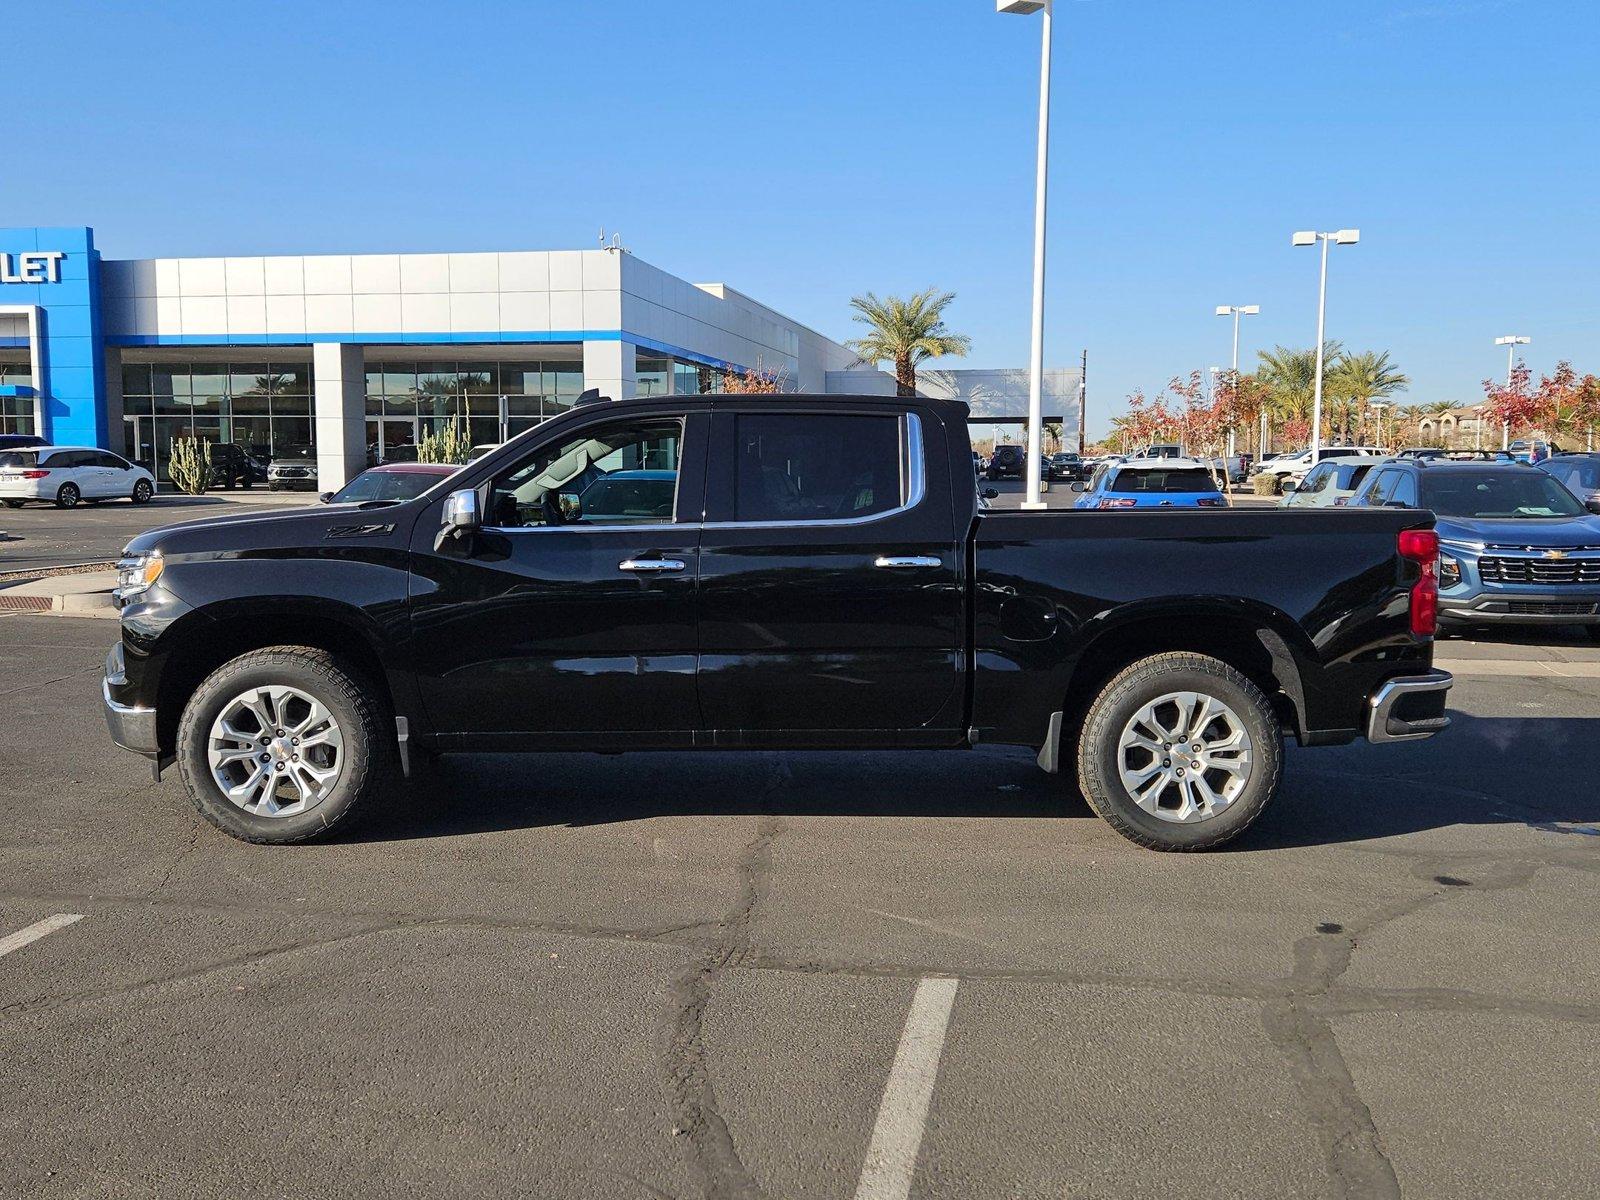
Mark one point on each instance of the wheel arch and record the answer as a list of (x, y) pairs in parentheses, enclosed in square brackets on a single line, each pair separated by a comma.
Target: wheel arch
[(1263, 645), (199, 647)]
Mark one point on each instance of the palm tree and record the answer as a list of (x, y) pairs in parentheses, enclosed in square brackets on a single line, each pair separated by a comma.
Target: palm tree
[(906, 333), (1290, 377), (1356, 380)]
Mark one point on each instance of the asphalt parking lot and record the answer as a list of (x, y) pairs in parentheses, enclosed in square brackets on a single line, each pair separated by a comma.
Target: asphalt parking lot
[(767, 975)]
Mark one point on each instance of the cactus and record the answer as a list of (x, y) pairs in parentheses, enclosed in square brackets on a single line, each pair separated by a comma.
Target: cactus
[(189, 465), (449, 445)]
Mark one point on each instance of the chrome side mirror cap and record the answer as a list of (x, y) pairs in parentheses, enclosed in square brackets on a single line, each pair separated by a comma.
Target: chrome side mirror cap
[(461, 510)]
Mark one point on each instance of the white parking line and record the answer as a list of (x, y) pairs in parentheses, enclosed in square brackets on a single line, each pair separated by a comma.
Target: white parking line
[(903, 1113), (19, 939)]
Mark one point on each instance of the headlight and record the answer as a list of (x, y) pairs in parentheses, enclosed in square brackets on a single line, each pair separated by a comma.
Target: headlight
[(137, 572), (1449, 571)]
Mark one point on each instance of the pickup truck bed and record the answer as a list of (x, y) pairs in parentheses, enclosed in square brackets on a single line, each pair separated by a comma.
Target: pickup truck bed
[(727, 572)]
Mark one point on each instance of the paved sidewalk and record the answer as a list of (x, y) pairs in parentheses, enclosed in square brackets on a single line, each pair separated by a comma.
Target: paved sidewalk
[(84, 595)]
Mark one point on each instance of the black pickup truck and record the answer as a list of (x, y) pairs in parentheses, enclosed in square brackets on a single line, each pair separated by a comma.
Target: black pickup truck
[(739, 572)]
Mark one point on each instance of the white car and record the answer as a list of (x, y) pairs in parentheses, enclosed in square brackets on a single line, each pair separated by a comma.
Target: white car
[(1330, 483), (1295, 466), (67, 475)]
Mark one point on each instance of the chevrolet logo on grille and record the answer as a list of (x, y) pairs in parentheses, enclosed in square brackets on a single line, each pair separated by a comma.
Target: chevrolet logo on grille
[(1554, 554)]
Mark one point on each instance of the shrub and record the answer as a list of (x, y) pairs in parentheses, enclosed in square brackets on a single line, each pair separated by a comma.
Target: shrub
[(1266, 484)]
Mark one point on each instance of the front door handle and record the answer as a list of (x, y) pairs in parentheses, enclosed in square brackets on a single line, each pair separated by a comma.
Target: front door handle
[(907, 562), (651, 564)]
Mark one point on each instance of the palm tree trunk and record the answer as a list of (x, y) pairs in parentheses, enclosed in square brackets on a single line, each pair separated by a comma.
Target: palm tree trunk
[(905, 377)]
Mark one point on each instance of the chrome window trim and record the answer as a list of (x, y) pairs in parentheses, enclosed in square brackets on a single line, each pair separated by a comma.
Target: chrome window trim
[(914, 487)]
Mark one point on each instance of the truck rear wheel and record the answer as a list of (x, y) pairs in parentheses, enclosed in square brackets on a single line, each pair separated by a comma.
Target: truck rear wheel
[(1180, 752), (283, 744)]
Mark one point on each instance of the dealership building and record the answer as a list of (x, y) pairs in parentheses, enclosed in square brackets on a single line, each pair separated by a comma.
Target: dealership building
[(359, 355)]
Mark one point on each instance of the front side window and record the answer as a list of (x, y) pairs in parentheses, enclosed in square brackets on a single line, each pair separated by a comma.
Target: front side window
[(622, 473), (1379, 489), (1317, 480), (816, 466)]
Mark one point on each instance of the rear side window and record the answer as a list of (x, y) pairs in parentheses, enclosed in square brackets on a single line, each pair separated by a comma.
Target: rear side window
[(816, 467), (18, 458), (1142, 481), (1357, 474)]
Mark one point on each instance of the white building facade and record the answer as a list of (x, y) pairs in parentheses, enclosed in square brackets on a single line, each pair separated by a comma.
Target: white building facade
[(360, 355)]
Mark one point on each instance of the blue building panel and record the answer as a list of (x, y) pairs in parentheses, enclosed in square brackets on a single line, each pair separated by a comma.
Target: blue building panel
[(71, 390)]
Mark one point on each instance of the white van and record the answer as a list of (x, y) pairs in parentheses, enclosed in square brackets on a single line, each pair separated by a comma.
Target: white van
[(66, 475)]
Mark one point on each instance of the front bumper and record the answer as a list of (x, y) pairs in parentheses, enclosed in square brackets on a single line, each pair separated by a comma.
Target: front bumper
[(1548, 607), (1409, 708), (132, 726)]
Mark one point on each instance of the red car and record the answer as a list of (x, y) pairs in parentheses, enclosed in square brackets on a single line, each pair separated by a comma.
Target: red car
[(394, 482)]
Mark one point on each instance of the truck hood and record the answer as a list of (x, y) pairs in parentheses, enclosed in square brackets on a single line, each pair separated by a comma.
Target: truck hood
[(1565, 533), (270, 528)]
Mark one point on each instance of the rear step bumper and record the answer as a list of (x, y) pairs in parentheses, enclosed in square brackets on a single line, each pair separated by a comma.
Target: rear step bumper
[(1409, 708)]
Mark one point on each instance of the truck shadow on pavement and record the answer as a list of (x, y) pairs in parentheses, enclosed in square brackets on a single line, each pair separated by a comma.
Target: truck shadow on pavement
[(1482, 771)]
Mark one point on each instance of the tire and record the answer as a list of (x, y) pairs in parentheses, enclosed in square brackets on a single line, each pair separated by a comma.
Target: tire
[(68, 495), (361, 770), (142, 491), (15, 503), (1175, 816)]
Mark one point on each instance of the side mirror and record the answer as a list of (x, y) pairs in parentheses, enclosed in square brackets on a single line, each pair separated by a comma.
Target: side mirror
[(1593, 504), (460, 519), (461, 511), (990, 493), (1080, 485), (571, 506), (325, 498), (1290, 485)]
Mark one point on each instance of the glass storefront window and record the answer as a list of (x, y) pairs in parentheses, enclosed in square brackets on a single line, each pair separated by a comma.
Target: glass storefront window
[(650, 375), (136, 379), (169, 379), (209, 379), (291, 379)]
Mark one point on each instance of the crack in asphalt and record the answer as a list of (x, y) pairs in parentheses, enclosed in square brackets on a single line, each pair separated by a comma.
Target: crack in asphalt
[(1299, 1026), (714, 1161)]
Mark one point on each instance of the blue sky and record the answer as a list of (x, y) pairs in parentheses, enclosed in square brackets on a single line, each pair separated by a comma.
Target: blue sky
[(807, 150)]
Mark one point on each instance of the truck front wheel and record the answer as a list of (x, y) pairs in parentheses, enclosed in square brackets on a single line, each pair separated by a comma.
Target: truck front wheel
[(283, 744), (1180, 752)]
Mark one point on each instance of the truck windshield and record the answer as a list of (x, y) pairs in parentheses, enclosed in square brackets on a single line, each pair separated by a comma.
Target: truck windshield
[(1144, 480), (1498, 495)]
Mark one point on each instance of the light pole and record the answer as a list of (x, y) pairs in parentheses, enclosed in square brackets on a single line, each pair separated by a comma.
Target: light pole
[(1307, 237), (1379, 407), (1236, 311), (1031, 498), (1510, 342)]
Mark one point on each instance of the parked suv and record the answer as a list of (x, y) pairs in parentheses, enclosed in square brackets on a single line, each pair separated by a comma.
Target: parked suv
[(68, 475), (1007, 462), (232, 466), (1515, 546), (295, 470)]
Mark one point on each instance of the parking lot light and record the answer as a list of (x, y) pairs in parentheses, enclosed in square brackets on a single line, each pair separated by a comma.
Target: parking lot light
[(1236, 311), (1511, 341), (1309, 237)]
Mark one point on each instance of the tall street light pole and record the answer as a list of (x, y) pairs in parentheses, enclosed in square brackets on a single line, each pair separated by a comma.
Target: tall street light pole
[(1031, 498), (1307, 237), (1510, 342), (1236, 311)]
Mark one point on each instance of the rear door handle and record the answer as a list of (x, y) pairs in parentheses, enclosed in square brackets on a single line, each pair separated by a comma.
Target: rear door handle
[(907, 562), (648, 565)]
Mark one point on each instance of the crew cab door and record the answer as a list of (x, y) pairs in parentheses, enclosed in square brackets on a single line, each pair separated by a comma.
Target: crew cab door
[(830, 579), (569, 619)]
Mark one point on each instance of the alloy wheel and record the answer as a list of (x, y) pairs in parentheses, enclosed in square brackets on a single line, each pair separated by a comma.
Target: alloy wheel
[(1184, 757), (275, 751)]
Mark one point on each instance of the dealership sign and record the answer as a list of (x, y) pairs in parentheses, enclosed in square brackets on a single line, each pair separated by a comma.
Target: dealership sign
[(32, 266)]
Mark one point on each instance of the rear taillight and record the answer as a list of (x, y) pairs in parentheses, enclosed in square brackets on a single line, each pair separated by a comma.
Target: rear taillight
[(1120, 502), (34, 474), (1421, 546)]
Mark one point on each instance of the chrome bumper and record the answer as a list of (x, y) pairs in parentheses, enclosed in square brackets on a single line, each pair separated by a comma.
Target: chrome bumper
[(132, 727), (1409, 708)]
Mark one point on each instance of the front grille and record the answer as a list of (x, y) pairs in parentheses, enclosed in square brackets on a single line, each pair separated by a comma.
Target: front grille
[(1553, 571), (292, 473)]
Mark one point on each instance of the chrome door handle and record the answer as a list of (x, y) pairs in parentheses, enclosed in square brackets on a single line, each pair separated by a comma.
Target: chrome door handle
[(906, 563), (651, 564)]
